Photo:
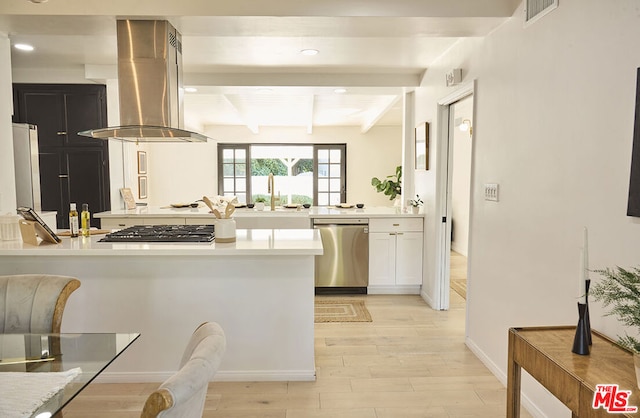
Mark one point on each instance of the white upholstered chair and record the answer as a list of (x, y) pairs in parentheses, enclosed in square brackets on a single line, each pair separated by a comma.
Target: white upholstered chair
[(34, 303), (184, 393)]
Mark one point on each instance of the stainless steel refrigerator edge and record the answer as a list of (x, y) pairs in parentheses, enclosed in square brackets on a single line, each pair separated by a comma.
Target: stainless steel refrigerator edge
[(27, 165), (345, 261)]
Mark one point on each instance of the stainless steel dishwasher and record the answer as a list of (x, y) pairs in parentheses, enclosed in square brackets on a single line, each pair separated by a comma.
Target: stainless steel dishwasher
[(344, 266)]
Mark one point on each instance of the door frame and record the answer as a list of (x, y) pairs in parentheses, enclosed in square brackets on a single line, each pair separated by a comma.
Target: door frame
[(443, 192)]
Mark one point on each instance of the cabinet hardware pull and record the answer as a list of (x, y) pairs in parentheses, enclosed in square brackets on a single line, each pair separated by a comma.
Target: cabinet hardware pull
[(396, 224), (63, 176), (61, 133)]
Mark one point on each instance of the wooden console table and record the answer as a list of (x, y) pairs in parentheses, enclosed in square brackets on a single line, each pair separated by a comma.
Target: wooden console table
[(545, 353)]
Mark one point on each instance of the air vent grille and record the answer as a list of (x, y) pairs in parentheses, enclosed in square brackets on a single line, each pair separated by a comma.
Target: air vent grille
[(535, 9)]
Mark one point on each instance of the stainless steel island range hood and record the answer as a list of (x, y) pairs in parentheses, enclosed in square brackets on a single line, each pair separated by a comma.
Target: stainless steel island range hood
[(149, 85)]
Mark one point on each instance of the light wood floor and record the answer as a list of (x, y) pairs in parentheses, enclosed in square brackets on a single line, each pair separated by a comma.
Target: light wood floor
[(409, 362), (458, 273)]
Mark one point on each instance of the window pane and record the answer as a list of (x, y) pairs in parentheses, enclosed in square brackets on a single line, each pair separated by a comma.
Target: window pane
[(227, 170), (227, 155), (241, 170), (228, 185), (334, 170), (323, 170), (323, 156), (323, 185), (323, 199), (334, 198), (241, 184), (241, 155), (335, 155), (242, 198), (334, 185)]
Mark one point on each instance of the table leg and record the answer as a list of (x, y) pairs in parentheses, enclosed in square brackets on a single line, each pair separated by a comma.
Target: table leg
[(513, 381)]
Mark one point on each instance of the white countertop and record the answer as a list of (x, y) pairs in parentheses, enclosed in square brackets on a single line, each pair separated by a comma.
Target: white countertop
[(313, 212), (270, 242)]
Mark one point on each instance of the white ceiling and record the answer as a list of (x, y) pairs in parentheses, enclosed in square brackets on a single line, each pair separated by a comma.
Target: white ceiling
[(234, 51)]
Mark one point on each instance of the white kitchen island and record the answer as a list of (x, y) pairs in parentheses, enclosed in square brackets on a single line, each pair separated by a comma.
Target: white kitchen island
[(260, 289)]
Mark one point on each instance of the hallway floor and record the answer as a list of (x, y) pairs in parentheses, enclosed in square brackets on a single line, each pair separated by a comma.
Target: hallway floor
[(410, 362)]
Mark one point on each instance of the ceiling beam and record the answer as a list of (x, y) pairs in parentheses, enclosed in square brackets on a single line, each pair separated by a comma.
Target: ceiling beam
[(376, 116), (301, 79), (312, 99), (253, 127), (146, 8)]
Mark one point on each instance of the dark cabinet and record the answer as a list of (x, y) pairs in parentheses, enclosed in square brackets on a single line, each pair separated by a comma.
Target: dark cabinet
[(72, 168)]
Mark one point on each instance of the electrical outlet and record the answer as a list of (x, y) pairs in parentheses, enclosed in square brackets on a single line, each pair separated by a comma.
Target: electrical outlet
[(491, 192)]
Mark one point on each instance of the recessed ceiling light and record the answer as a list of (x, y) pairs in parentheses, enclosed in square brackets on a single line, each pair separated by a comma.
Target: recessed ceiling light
[(23, 47), (190, 89), (340, 90), (38, 1), (309, 52)]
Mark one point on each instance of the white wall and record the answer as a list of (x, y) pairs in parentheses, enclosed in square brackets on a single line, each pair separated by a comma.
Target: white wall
[(554, 123), (185, 172), (7, 170)]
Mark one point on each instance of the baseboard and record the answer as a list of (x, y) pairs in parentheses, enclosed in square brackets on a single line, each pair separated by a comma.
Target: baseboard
[(221, 376), (531, 407), (394, 290), (427, 299)]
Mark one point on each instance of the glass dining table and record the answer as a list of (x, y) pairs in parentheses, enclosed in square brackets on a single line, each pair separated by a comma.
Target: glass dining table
[(41, 373)]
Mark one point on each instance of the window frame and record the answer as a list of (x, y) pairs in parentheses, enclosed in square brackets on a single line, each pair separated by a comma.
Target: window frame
[(247, 147)]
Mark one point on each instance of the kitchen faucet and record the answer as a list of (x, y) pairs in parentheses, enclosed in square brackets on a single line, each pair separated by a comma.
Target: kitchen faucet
[(271, 189)]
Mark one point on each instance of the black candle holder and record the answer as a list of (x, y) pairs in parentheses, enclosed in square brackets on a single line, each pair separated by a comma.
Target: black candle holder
[(581, 339)]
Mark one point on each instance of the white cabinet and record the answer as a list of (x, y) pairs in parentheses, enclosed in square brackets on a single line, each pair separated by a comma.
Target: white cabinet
[(395, 255)]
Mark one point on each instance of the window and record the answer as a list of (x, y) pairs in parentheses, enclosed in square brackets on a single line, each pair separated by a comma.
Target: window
[(313, 174), (233, 181)]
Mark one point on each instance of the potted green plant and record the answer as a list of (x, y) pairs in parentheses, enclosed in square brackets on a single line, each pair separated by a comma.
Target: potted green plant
[(259, 201), (415, 204), (619, 290), (391, 185)]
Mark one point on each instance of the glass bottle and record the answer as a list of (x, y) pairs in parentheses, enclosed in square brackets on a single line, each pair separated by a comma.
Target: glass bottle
[(73, 220), (85, 219)]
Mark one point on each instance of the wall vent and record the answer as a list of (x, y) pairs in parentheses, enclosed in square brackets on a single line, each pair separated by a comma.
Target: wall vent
[(535, 9)]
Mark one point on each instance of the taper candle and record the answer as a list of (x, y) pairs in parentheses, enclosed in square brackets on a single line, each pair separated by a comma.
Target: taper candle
[(585, 246), (582, 282)]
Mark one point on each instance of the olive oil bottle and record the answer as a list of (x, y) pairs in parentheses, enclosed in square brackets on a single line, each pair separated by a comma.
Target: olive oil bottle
[(73, 220), (85, 220)]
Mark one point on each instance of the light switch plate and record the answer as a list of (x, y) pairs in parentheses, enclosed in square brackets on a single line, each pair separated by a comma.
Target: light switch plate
[(491, 192)]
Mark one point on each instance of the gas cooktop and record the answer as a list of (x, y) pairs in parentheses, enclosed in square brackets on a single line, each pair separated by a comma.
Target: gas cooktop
[(162, 233)]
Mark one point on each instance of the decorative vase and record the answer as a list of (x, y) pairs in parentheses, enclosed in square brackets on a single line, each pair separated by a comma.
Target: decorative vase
[(225, 230), (397, 203), (415, 209)]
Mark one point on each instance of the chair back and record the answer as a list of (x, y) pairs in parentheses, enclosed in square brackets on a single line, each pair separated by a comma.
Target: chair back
[(34, 303), (183, 394)]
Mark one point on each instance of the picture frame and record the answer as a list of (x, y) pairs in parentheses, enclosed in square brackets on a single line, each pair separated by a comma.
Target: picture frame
[(142, 162), (142, 187), (422, 146), (127, 196)]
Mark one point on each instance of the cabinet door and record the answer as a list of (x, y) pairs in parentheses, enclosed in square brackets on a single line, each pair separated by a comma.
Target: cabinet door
[(382, 258), (409, 258), (54, 185)]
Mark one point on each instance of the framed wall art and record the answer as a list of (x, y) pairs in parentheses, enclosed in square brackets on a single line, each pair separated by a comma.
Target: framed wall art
[(142, 187), (422, 146), (142, 162)]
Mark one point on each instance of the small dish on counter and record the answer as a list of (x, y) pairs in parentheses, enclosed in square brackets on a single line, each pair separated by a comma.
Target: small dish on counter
[(291, 206), (185, 205), (359, 205), (344, 206)]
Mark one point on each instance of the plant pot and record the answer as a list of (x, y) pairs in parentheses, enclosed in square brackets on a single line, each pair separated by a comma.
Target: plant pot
[(415, 210), (636, 363), (259, 205)]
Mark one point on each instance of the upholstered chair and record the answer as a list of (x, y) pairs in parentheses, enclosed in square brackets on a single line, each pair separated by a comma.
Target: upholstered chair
[(34, 303), (183, 394)]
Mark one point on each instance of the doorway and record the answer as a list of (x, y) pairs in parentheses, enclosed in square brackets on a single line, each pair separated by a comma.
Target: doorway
[(453, 193), (460, 136)]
